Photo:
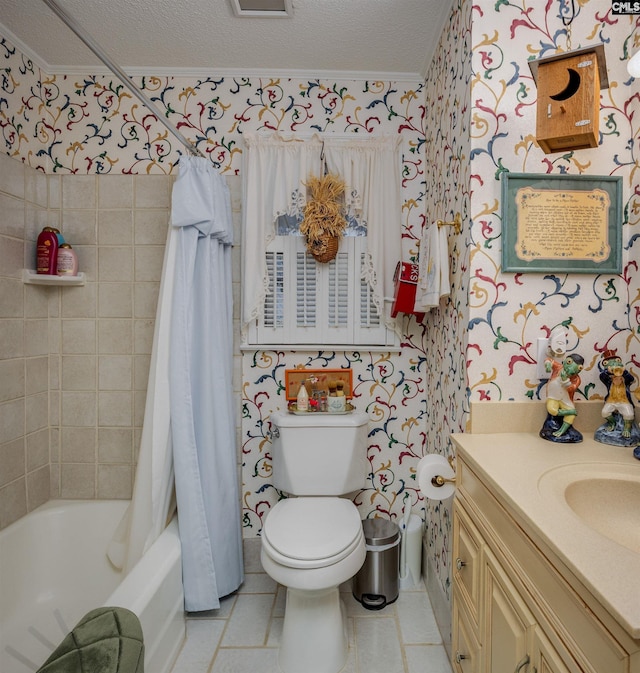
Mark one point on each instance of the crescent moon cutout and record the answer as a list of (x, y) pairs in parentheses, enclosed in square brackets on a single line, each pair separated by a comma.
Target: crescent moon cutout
[(571, 88)]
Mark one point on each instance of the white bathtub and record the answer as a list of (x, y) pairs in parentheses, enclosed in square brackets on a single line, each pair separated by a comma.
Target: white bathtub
[(53, 570)]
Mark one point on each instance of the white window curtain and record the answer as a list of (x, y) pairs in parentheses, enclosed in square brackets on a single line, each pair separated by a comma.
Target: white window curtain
[(371, 169), (275, 172)]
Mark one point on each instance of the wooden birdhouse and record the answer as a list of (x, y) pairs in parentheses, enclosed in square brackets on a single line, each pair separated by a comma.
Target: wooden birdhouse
[(568, 111)]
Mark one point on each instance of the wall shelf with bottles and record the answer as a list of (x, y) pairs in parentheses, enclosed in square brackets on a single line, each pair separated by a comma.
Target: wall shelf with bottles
[(30, 277)]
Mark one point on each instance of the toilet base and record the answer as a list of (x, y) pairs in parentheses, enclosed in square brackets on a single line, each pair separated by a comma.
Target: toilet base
[(314, 633)]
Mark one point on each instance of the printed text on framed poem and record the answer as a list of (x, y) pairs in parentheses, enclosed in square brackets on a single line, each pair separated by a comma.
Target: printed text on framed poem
[(561, 223)]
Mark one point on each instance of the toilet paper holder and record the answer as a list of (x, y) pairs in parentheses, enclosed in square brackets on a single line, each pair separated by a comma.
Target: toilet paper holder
[(438, 480)]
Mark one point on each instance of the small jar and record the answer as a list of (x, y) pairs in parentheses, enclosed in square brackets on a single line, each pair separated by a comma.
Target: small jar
[(67, 261)]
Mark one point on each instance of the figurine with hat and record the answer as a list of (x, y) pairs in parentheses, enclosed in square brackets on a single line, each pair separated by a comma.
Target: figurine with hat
[(620, 427)]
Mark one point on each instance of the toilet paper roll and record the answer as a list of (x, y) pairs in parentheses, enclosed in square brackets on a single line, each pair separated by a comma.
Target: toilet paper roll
[(432, 466)]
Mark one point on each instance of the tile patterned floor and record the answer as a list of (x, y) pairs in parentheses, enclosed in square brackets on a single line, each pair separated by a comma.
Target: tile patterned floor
[(243, 635)]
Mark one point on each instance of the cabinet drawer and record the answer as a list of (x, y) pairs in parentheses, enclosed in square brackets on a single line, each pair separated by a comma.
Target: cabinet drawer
[(466, 561)]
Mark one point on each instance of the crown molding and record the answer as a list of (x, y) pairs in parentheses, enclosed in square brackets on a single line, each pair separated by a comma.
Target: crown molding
[(238, 72)]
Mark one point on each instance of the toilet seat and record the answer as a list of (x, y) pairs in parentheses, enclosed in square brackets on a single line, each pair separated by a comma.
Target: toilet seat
[(311, 532)]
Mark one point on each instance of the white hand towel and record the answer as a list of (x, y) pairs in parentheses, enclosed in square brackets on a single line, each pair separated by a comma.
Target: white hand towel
[(433, 277)]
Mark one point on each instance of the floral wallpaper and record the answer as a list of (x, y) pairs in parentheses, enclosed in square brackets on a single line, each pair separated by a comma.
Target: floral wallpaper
[(508, 312), (469, 121)]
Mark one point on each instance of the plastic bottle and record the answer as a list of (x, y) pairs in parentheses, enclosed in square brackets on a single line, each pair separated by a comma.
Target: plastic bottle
[(302, 401), (47, 252), (335, 402), (67, 261)]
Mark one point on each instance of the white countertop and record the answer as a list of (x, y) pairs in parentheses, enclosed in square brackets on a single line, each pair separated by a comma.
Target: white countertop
[(513, 464)]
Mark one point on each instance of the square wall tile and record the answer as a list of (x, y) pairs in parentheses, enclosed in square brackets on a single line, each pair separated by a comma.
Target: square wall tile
[(145, 300), (151, 227), (79, 409), (79, 191), (38, 487), (12, 461), (115, 445), (12, 174), (115, 372), (13, 501), (115, 336), (13, 216), (148, 263), (79, 227), (115, 300), (78, 445), (78, 372), (115, 191), (12, 379), (115, 227), (12, 338), (78, 337), (114, 481), (37, 376), (152, 191), (115, 409), (37, 449), (115, 263), (11, 257), (79, 302), (77, 481), (12, 418)]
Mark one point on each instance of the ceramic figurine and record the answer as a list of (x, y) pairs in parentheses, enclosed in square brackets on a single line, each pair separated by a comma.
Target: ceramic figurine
[(618, 411), (561, 387)]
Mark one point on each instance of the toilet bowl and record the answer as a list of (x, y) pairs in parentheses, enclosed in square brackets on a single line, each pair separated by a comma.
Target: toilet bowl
[(313, 542), (312, 545)]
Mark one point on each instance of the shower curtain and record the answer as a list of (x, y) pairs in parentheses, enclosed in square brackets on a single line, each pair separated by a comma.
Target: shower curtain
[(200, 379), (152, 503)]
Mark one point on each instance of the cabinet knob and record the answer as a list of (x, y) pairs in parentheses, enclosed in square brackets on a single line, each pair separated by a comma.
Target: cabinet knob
[(460, 564), (460, 657)]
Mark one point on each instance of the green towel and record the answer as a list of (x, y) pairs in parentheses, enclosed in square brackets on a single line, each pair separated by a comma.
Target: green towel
[(105, 640)]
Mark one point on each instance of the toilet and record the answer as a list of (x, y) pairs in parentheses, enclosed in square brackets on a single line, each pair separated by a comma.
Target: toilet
[(313, 542)]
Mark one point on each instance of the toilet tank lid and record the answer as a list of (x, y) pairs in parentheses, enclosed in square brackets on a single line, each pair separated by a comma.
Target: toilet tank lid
[(284, 419)]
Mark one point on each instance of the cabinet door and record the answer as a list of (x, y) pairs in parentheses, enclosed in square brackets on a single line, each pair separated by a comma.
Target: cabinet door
[(464, 642), (545, 658), (508, 625), (467, 543)]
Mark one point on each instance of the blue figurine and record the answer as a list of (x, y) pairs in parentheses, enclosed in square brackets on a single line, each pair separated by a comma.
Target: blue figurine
[(620, 427)]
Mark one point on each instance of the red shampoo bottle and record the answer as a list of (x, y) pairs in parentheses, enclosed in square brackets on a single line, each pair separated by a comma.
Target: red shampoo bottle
[(47, 252)]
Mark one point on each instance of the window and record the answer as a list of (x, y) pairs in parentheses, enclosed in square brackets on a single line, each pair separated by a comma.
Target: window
[(308, 302), (287, 297)]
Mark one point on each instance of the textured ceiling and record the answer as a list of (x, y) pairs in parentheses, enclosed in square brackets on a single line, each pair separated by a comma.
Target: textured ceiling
[(389, 38)]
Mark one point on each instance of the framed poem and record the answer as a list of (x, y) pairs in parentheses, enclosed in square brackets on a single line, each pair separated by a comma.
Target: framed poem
[(561, 223), (293, 379)]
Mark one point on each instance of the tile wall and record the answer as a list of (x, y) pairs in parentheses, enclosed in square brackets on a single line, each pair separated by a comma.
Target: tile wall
[(74, 361), (24, 347)]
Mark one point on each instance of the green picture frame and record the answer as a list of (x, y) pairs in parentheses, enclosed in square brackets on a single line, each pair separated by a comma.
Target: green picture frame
[(561, 223)]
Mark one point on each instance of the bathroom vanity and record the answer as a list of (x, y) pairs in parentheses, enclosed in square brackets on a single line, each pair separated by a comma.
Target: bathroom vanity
[(546, 556)]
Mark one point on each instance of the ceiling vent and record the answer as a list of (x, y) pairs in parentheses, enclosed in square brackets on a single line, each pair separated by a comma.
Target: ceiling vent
[(276, 9)]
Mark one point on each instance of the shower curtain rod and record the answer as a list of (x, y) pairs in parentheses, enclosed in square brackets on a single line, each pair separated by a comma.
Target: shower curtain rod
[(119, 72)]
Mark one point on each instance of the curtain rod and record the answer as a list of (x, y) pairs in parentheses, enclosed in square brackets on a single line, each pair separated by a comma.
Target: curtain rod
[(119, 72)]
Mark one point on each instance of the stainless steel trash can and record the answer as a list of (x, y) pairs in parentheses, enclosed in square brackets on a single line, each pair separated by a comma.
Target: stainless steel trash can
[(376, 583)]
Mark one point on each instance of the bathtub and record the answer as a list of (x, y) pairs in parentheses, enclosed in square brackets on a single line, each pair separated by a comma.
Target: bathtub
[(53, 570)]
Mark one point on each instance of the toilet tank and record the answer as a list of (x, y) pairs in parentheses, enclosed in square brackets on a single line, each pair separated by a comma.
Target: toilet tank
[(318, 453)]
